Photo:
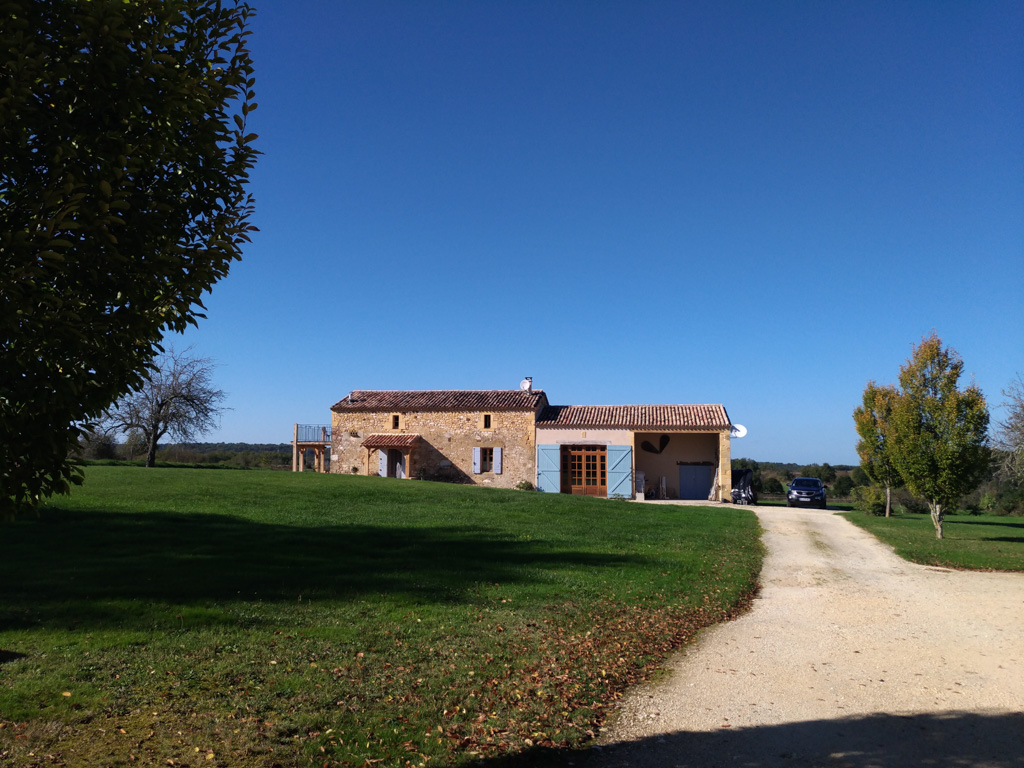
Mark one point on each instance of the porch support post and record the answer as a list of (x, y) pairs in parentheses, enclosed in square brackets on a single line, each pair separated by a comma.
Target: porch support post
[(638, 493), (295, 449), (724, 465)]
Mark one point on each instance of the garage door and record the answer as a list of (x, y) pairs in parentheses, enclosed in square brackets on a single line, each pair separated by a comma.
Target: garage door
[(695, 481)]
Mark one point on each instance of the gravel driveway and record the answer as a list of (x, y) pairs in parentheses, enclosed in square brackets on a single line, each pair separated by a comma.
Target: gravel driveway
[(850, 657)]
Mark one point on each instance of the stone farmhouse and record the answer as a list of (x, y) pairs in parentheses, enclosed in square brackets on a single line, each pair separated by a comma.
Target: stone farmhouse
[(501, 438)]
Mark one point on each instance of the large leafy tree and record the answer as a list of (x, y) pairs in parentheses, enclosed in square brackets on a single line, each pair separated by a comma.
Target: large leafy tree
[(938, 431), (178, 399), (874, 448), (124, 154)]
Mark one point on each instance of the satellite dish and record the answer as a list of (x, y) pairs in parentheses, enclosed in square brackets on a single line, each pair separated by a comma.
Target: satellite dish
[(738, 430), (526, 384)]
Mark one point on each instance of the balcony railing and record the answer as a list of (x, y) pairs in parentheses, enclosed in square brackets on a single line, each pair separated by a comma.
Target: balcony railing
[(313, 433)]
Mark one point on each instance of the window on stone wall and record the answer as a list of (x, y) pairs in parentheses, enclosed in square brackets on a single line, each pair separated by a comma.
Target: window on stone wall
[(487, 421), (487, 460), (396, 421)]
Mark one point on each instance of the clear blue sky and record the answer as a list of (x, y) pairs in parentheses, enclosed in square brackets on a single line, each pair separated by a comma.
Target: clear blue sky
[(757, 204)]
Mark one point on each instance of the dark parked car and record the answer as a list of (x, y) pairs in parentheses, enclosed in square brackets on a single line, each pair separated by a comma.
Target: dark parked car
[(806, 492)]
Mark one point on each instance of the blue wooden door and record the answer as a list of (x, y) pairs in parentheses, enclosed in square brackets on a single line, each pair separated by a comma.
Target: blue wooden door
[(695, 481), (620, 471), (548, 474)]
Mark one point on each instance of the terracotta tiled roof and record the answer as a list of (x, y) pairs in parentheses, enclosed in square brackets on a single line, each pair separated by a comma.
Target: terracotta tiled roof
[(442, 400), (635, 416), (390, 441)]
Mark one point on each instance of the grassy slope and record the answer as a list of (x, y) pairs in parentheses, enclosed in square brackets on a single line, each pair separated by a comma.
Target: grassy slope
[(981, 542), (256, 618)]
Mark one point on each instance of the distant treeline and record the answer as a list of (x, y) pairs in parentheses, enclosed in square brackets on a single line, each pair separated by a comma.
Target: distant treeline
[(246, 455), (233, 447), (994, 496), (797, 470), (773, 476), (249, 455)]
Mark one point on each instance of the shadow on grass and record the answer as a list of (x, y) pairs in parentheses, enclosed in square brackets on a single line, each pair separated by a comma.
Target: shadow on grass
[(1007, 539), (873, 741), (956, 521), (93, 570)]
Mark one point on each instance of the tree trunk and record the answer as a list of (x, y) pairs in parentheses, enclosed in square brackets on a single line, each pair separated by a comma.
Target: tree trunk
[(151, 452), (937, 517), (888, 501)]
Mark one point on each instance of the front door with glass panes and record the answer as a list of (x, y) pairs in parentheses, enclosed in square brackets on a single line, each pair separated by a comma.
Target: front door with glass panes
[(585, 470)]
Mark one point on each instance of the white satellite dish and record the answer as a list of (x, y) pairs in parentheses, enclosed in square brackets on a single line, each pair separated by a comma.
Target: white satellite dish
[(526, 384), (738, 430)]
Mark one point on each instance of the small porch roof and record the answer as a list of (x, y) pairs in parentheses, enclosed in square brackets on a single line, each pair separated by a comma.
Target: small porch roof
[(390, 441)]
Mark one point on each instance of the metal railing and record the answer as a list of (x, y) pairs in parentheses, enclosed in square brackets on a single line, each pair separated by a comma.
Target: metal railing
[(313, 433)]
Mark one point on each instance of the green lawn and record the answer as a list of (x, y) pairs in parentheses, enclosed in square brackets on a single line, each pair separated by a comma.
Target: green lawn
[(981, 542), (189, 617)]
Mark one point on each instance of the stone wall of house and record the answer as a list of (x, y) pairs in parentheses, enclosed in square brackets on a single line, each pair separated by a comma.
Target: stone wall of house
[(445, 448)]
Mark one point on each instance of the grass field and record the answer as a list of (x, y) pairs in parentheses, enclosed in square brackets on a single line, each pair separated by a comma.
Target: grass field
[(187, 617), (979, 542)]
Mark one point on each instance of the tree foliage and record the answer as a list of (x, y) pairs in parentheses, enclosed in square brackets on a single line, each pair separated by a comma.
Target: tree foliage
[(824, 472), (97, 446), (123, 160), (859, 476), (874, 447), (177, 399), (843, 486), (1009, 437), (870, 500), (937, 431)]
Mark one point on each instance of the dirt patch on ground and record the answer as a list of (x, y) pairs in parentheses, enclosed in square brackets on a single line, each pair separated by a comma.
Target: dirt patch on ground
[(850, 657)]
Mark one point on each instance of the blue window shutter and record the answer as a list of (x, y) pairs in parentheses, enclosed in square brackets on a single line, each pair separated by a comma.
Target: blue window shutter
[(549, 471), (497, 461), (620, 471), (476, 461), (382, 462)]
